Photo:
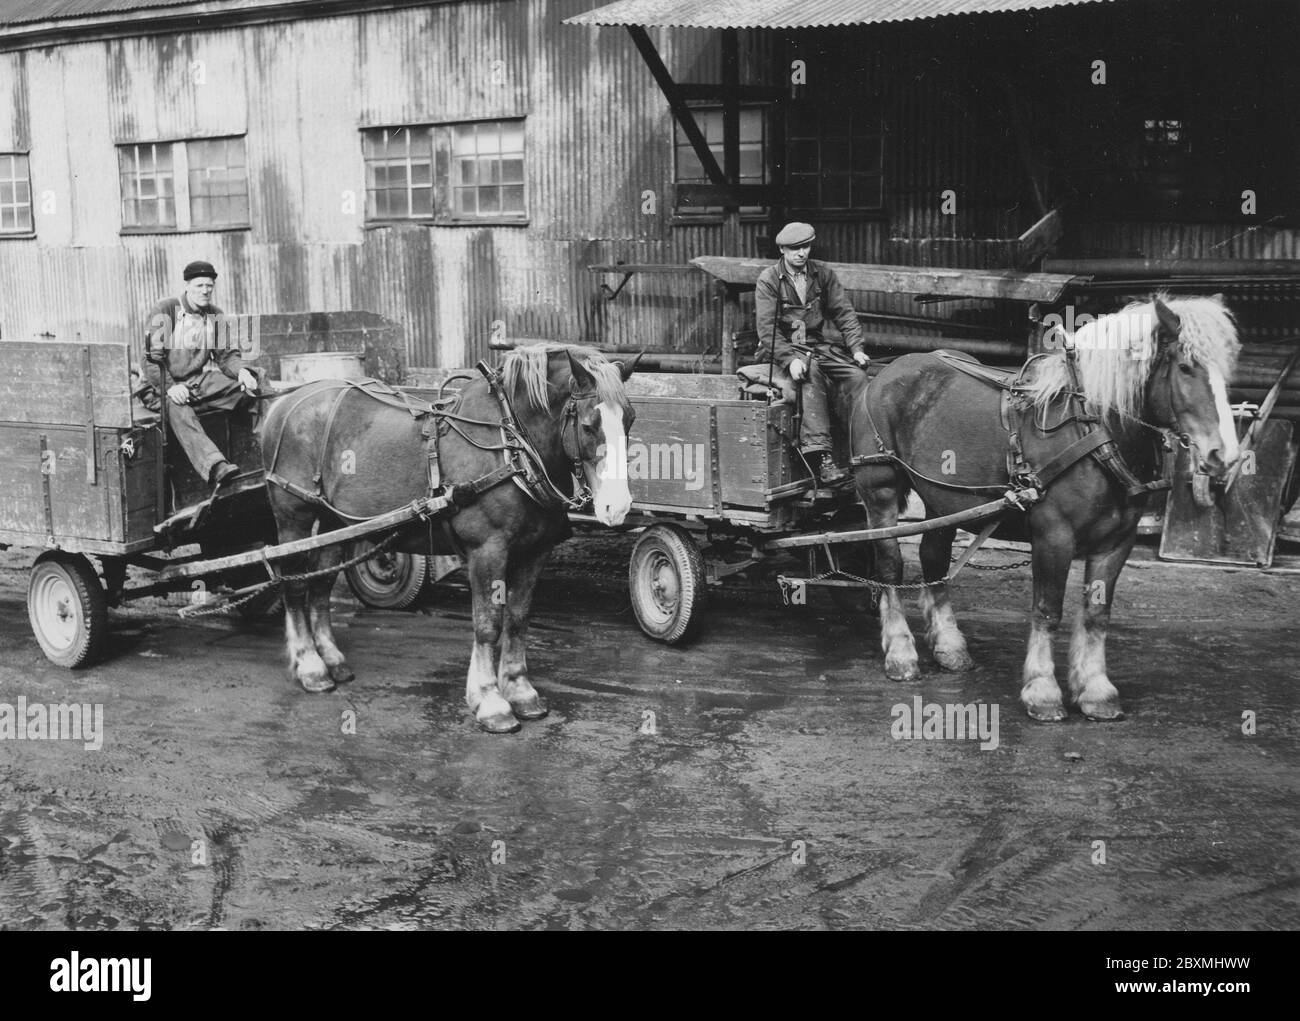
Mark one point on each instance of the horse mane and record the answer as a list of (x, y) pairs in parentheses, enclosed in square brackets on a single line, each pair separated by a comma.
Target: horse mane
[(527, 369), (1116, 352)]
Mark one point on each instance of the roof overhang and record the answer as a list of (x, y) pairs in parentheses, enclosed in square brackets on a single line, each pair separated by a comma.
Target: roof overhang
[(797, 13)]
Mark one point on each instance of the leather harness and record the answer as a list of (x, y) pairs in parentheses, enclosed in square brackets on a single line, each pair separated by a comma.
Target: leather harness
[(521, 462), (1015, 409)]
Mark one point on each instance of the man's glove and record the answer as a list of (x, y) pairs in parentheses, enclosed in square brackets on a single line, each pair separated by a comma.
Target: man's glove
[(248, 381), (797, 370), (861, 358)]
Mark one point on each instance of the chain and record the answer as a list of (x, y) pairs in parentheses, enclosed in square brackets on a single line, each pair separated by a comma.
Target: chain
[(225, 606)]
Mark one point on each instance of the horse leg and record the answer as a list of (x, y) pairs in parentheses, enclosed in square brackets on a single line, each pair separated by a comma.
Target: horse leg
[(880, 495), (1040, 693), (513, 681), (1090, 687), (941, 631), (318, 606), (487, 575), (305, 664)]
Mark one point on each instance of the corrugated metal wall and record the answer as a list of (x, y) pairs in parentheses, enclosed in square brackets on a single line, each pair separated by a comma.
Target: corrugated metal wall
[(599, 138)]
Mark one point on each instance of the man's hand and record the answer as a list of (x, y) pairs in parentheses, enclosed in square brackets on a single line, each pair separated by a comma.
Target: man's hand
[(178, 393), (797, 370), (248, 381), (861, 358)]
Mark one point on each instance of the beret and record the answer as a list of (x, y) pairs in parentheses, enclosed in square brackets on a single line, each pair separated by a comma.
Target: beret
[(795, 235), (199, 269)]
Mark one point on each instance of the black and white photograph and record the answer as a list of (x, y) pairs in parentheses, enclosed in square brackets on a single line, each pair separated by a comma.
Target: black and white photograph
[(655, 465)]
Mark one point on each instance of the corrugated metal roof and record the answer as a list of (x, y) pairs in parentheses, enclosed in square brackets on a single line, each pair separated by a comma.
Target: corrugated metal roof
[(23, 12), (796, 13)]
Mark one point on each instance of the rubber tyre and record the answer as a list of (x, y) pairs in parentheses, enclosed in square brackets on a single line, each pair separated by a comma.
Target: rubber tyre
[(68, 610), (390, 581), (666, 583)]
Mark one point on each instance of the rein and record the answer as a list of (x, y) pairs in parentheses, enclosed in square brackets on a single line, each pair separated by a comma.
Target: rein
[(1096, 440), (522, 462)]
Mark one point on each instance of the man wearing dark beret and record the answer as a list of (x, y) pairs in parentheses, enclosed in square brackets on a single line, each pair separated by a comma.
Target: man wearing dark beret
[(793, 301), (184, 335)]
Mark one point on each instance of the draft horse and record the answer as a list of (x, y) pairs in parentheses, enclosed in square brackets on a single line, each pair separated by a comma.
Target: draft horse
[(949, 429), (511, 447)]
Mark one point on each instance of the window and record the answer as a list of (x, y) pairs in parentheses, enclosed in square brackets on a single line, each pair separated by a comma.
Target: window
[(449, 173), (835, 159), (399, 173), (687, 168), (488, 169), (15, 194), (179, 186)]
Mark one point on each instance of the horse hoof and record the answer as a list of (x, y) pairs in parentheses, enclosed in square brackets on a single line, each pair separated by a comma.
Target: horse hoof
[(956, 661), (901, 672), (532, 709), (1052, 713), (499, 724), (316, 685), (341, 673), (1102, 712)]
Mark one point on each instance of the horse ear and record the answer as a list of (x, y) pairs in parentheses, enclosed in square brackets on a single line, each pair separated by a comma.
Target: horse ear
[(582, 377), (1170, 324), (626, 369)]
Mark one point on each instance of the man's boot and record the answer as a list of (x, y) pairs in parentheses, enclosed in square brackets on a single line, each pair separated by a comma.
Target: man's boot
[(829, 472)]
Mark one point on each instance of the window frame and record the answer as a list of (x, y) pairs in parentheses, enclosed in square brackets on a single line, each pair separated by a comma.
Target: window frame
[(875, 135), (443, 164), (715, 214), (29, 230), (180, 173)]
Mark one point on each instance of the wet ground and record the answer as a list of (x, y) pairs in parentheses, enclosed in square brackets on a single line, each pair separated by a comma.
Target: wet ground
[(748, 780)]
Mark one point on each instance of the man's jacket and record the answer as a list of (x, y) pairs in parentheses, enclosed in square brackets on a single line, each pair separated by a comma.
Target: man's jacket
[(187, 341), (825, 301)]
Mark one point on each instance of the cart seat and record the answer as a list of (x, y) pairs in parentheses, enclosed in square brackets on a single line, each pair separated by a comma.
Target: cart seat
[(760, 381)]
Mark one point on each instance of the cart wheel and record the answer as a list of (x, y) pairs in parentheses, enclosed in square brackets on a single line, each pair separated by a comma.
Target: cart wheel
[(68, 609), (666, 581), (389, 581)]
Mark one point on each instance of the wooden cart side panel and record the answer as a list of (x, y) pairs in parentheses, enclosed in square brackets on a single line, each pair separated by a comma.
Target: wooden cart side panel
[(670, 454), (46, 383), (45, 490), (753, 458)]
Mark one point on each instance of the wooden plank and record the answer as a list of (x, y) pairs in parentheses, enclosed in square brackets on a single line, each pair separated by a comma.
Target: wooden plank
[(642, 267), (44, 382), (981, 512), (1241, 527), (669, 461), (1213, 267), (384, 522), (957, 283), (1040, 239)]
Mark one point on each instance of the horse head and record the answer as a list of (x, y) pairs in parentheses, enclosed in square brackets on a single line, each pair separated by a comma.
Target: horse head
[(602, 418), (1187, 391)]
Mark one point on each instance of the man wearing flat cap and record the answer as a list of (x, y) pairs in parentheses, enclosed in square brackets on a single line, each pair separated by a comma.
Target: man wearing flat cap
[(793, 301), (184, 336)]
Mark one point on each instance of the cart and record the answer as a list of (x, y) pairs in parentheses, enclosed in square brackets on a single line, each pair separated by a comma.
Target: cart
[(719, 489), (86, 477)]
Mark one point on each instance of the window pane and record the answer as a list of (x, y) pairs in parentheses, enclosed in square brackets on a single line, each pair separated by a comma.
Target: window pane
[(689, 168), (835, 192), (512, 171), (422, 202), (489, 138), (835, 154), (462, 139), (512, 198), (489, 171), (467, 168), (489, 200), (465, 204), (512, 136), (803, 192), (421, 175), (866, 154), (803, 157), (751, 164), (6, 193)]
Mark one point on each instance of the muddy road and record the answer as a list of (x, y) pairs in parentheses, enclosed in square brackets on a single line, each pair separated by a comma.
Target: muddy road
[(770, 793)]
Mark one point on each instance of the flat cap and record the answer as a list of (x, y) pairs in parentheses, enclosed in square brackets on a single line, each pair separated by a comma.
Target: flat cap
[(795, 235), (199, 268)]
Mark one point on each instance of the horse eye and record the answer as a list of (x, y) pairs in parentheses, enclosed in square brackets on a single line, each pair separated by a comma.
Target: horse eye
[(1185, 369)]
